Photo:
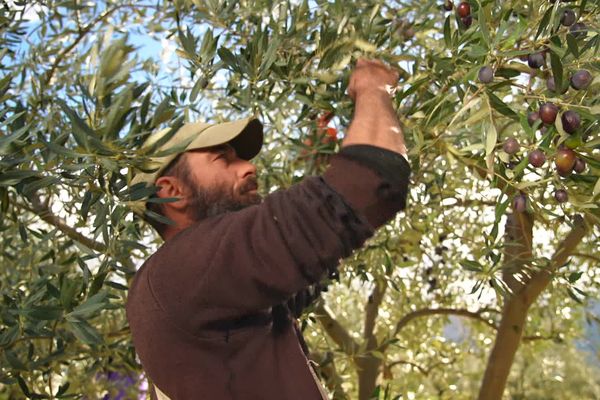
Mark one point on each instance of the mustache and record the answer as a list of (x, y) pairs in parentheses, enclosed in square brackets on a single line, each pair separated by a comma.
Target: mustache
[(251, 183)]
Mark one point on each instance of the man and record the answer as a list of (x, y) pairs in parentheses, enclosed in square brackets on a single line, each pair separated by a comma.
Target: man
[(208, 310)]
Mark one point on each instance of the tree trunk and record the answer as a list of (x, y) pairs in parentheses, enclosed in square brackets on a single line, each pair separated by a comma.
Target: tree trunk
[(367, 364), (368, 371), (518, 239), (507, 342)]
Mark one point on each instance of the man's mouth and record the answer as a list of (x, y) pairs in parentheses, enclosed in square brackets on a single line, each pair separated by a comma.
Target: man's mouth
[(251, 187)]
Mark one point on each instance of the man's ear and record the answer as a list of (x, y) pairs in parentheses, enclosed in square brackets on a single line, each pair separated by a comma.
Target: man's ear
[(171, 187)]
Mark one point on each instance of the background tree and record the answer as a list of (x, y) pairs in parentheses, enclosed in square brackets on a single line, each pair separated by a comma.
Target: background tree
[(480, 287)]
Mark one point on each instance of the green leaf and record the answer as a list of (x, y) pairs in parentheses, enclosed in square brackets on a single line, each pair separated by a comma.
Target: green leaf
[(23, 233), (574, 276), (88, 308), (81, 130), (23, 386), (11, 178), (163, 112), (63, 151), (14, 361), (470, 265), (62, 389), (85, 204), (18, 134), (9, 335), (572, 45), (501, 107), (573, 296), (447, 33), (483, 28), (84, 332), (557, 70), (97, 283), (596, 190), (201, 83), (159, 218), (491, 137), (208, 46), (269, 58), (116, 285), (507, 72), (42, 183), (544, 22), (229, 59), (42, 313), (10, 120), (138, 191)]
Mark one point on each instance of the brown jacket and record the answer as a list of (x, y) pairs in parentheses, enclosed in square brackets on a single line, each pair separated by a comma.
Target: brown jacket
[(202, 308)]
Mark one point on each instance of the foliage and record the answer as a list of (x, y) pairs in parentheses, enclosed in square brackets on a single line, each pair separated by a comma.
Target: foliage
[(78, 100)]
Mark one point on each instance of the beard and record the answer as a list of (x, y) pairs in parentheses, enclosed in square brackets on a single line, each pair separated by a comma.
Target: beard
[(209, 202)]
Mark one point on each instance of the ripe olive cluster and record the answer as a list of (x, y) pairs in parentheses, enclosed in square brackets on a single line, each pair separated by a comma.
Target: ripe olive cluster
[(463, 11)]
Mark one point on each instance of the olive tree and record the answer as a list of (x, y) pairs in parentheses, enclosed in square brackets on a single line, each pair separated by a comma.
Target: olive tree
[(499, 104)]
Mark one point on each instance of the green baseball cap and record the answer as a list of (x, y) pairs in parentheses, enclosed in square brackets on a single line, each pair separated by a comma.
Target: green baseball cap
[(245, 136)]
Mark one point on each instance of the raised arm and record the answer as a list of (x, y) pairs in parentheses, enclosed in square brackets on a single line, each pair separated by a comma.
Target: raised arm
[(375, 122)]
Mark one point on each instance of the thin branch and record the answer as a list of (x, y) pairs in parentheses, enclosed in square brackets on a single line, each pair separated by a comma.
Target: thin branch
[(371, 312), (589, 256), (439, 311), (82, 33), (42, 211), (335, 330), (533, 338), (400, 362), (565, 249)]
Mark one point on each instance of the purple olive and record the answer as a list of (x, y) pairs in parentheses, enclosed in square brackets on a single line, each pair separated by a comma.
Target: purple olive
[(561, 195), (511, 146), (448, 4), (464, 9), (570, 121), (551, 85), (579, 166), (520, 203), (548, 112), (537, 158), (567, 18), (532, 117), (578, 30), (467, 21), (485, 75), (564, 161), (536, 60), (581, 79)]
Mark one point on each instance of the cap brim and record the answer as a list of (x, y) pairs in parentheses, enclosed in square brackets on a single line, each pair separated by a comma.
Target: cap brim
[(246, 137)]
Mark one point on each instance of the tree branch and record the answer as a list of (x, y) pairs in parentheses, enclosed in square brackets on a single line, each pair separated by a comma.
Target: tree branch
[(335, 330), (418, 367), (423, 370), (326, 365), (441, 311), (42, 211), (82, 33), (541, 279), (371, 311)]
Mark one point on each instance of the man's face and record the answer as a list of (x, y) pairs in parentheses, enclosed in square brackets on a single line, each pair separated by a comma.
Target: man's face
[(221, 182)]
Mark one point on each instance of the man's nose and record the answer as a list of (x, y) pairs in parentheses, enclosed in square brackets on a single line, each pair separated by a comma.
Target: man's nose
[(247, 168)]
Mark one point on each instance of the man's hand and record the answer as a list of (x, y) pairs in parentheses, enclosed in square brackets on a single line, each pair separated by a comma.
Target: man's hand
[(371, 75)]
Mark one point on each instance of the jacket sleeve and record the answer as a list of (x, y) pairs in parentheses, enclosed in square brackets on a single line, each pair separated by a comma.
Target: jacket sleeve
[(242, 262)]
